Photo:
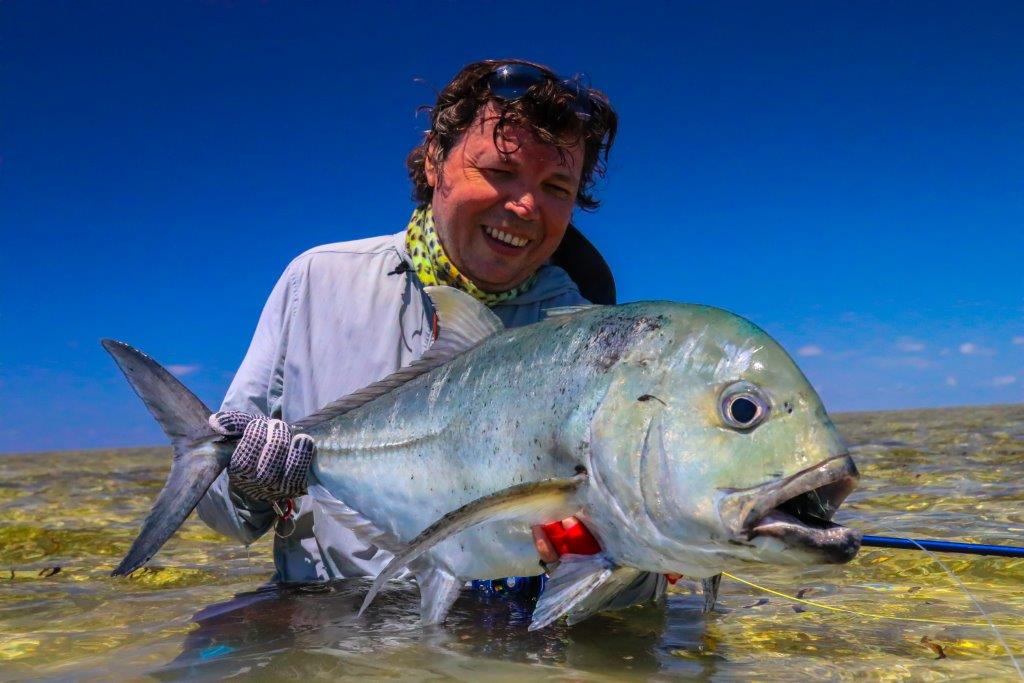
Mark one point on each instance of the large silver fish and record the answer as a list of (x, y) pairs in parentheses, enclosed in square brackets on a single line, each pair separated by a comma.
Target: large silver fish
[(683, 436)]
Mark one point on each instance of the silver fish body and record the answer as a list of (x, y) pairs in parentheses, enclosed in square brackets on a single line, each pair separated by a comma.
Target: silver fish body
[(629, 394), (517, 408), (683, 436)]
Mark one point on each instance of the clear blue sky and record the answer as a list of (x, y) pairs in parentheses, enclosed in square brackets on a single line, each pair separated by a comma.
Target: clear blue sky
[(849, 175)]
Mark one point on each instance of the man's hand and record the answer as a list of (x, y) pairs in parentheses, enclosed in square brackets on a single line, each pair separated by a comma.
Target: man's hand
[(569, 536), (268, 463), (562, 538)]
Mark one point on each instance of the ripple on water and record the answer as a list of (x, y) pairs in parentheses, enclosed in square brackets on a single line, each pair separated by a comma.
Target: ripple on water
[(203, 612)]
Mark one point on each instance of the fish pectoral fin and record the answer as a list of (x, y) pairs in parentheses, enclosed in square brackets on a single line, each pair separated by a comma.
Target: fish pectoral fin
[(535, 502), (582, 585), (709, 586), (438, 592)]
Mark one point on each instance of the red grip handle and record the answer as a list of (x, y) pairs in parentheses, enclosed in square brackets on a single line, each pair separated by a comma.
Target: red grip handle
[(576, 540)]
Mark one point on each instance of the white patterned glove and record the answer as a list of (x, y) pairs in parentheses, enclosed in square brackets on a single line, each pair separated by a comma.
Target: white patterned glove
[(268, 463)]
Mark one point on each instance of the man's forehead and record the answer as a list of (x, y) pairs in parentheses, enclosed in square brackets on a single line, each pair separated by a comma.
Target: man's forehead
[(516, 143)]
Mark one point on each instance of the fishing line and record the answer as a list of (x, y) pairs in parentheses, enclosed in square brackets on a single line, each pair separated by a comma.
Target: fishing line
[(987, 623), (870, 615), (999, 636)]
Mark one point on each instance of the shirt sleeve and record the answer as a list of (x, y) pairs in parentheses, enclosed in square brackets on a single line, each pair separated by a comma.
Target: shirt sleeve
[(252, 390)]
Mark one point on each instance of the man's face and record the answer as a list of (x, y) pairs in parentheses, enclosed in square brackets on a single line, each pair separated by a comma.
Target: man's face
[(501, 212)]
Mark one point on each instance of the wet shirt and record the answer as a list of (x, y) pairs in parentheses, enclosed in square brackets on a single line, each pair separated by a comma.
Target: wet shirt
[(341, 316)]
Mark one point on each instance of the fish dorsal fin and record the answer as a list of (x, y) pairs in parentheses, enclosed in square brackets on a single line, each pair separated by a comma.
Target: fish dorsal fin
[(463, 322), (562, 311)]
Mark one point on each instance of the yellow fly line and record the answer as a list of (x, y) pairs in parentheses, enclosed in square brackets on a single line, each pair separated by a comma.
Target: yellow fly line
[(793, 598)]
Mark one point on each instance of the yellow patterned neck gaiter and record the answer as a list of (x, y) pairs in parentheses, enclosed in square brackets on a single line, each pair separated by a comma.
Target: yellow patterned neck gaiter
[(433, 267)]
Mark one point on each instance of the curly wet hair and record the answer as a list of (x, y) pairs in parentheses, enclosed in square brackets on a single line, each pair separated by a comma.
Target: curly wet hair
[(546, 109)]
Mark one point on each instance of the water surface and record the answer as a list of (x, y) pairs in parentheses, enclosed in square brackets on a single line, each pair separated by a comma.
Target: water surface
[(203, 609)]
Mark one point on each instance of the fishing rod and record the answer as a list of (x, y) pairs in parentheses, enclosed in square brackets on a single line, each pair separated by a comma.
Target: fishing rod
[(942, 546)]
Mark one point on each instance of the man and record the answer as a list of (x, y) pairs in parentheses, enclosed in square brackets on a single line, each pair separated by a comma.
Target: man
[(511, 150)]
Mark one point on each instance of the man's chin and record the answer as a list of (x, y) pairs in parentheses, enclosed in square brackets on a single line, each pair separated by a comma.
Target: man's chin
[(494, 281)]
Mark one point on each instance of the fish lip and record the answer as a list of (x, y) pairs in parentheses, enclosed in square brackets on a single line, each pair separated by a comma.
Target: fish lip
[(748, 513)]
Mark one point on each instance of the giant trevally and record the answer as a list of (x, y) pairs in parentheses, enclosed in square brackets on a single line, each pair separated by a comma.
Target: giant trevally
[(683, 436)]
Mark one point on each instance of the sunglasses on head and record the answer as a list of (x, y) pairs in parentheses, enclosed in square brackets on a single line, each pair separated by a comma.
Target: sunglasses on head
[(511, 81)]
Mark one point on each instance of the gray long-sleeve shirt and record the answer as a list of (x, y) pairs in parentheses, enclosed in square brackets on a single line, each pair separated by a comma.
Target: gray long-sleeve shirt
[(342, 316)]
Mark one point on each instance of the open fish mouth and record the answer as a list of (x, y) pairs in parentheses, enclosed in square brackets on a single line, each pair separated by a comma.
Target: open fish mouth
[(798, 510)]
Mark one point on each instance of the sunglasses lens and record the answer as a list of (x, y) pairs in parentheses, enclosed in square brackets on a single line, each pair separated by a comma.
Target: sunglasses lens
[(581, 91), (511, 81)]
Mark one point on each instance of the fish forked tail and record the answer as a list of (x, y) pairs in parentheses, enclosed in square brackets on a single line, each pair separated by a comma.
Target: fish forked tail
[(200, 454)]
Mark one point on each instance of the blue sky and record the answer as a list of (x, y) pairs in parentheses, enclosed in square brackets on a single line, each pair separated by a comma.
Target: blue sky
[(848, 175)]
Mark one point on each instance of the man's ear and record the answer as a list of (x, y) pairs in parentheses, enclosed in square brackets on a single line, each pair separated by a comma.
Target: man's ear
[(428, 163)]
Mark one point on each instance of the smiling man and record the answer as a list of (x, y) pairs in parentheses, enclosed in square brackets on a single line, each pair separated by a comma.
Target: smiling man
[(511, 151), (501, 201)]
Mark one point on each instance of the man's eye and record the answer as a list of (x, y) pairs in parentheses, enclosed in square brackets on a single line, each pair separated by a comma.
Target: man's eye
[(559, 191)]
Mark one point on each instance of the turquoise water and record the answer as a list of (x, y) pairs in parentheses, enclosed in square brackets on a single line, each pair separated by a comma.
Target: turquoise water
[(202, 610)]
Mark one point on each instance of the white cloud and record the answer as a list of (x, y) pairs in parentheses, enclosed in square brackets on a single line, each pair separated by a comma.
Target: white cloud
[(1018, 340), (810, 350), (903, 362), (909, 345), (182, 370), (1003, 380), (951, 381), (972, 349)]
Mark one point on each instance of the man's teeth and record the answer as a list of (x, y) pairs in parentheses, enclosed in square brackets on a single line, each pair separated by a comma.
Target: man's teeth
[(505, 237)]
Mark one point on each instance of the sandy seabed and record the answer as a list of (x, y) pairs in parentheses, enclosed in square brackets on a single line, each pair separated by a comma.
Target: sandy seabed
[(202, 610)]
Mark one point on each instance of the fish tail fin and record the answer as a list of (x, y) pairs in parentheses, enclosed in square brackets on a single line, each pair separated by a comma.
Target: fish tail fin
[(199, 452)]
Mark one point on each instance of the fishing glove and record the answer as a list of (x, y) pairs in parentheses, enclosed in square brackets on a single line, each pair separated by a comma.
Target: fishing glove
[(268, 464)]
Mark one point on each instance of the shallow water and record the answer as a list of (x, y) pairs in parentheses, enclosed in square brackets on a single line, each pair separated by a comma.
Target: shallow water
[(203, 611)]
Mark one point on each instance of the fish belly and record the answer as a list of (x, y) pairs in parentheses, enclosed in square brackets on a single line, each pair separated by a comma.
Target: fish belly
[(402, 493), (483, 423)]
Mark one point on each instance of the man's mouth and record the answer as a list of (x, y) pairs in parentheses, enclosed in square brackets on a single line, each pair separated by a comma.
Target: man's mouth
[(505, 238), (798, 510)]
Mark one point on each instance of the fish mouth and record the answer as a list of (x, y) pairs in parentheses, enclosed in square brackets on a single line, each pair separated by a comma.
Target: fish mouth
[(798, 510)]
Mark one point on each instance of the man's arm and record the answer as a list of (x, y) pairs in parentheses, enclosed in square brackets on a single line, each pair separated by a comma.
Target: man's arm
[(254, 389)]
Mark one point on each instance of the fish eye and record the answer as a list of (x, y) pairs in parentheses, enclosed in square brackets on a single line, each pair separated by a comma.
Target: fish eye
[(743, 407)]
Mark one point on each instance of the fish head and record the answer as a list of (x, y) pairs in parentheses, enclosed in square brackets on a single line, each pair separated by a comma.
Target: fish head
[(719, 452)]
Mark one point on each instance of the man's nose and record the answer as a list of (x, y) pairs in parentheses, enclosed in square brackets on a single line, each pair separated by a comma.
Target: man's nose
[(523, 203)]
